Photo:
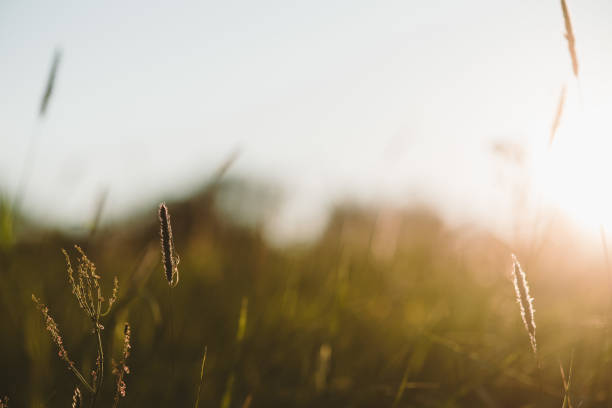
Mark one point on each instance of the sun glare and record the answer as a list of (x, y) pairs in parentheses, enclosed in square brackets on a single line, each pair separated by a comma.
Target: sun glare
[(575, 173)]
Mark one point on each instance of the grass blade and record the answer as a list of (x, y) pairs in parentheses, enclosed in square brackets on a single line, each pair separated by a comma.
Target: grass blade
[(197, 403)]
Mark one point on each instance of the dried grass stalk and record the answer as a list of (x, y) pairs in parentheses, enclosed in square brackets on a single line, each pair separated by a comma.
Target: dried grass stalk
[(558, 115), (525, 301), (569, 36), (567, 383), (44, 103)]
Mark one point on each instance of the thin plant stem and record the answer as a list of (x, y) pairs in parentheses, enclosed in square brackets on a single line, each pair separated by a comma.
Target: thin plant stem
[(171, 321), (100, 375), (197, 402), (81, 378)]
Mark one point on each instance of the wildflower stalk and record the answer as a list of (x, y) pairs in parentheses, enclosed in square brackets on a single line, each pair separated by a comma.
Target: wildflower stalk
[(88, 292)]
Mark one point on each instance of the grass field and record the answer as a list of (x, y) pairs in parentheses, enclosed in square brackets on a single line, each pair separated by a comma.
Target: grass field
[(388, 307)]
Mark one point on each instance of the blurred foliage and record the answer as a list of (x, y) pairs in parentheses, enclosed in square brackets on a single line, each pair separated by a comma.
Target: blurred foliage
[(389, 307), (6, 224)]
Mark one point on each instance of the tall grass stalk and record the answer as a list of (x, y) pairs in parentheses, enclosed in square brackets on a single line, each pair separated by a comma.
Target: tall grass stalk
[(170, 261), (569, 36), (558, 115), (525, 302), (240, 333), (401, 388), (30, 156), (197, 401), (567, 383)]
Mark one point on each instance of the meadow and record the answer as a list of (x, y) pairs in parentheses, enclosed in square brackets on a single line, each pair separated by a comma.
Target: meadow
[(388, 307)]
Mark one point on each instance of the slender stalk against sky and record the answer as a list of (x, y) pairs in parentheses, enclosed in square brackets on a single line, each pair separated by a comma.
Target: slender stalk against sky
[(569, 35)]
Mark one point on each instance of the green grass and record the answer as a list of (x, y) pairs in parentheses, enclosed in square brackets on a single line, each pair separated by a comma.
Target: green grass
[(429, 322)]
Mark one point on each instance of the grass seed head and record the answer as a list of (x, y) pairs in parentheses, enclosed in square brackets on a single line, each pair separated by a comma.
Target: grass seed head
[(569, 35), (86, 287), (44, 103), (525, 301), (169, 258), (53, 330)]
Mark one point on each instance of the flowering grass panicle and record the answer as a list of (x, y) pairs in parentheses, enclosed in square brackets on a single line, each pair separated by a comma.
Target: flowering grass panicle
[(120, 369), (170, 259), (86, 288), (525, 301), (53, 330)]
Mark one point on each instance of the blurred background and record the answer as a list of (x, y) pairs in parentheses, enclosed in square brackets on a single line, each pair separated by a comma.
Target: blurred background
[(347, 181)]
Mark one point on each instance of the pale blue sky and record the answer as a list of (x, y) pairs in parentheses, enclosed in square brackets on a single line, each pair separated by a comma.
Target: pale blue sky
[(391, 99)]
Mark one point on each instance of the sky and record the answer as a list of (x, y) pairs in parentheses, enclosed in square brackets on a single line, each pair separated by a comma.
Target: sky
[(397, 101)]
